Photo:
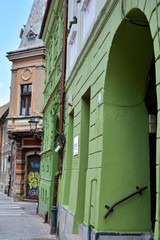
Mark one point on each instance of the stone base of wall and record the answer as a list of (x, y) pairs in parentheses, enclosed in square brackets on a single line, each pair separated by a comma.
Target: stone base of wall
[(147, 237), (113, 236), (65, 224), (65, 227), (3, 188)]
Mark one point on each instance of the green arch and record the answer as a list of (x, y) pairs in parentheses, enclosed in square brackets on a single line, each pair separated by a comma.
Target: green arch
[(129, 62), (125, 162)]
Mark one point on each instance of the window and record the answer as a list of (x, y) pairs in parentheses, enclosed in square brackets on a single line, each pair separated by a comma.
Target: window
[(5, 164), (26, 93), (31, 35), (88, 8), (2, 164), (73, 23)]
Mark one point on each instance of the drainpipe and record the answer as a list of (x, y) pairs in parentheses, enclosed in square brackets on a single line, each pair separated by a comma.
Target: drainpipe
[(60, 153)]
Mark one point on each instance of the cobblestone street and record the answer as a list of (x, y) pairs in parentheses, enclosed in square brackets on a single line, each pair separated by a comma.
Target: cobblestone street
[(18, 221)]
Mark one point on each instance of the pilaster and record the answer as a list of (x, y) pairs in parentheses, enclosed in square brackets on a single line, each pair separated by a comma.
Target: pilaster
[(20, 170), (13, 85), (39, 86)]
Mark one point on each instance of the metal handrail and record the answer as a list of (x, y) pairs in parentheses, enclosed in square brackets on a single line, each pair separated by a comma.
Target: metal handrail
[(110, 209)]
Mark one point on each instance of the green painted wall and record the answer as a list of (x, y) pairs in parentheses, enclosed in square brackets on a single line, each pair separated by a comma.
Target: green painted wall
[(126, 138), (118, 56), (52, 37)]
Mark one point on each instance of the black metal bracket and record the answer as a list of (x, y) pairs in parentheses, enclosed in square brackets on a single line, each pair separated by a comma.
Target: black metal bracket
[(110, 209)]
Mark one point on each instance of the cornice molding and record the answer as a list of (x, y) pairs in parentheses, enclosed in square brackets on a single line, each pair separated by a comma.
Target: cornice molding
[(38, 64), (26, 53), (15, 117)]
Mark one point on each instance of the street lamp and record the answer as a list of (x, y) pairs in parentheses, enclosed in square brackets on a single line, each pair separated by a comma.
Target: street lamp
[(33, 127), (33, 124)]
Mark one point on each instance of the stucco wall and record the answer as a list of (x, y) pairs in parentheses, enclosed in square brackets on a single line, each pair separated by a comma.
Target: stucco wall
[(49, 162), (107, 123)]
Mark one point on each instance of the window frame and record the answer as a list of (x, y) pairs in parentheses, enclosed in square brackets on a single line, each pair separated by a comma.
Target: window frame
[(26, 98), (2, 164)]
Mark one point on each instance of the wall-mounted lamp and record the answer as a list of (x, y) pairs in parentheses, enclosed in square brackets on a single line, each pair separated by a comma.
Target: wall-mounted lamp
[(33, 127), (59, 142)]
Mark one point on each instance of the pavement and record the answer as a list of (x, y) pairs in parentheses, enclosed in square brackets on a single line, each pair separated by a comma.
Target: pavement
[(18, 221)]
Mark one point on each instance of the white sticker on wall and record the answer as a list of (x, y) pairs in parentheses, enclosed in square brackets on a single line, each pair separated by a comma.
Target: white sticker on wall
[(99, 98), (75, 145)]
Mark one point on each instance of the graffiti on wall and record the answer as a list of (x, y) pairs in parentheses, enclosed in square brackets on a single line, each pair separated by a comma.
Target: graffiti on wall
[(35, 165), (33, 184), (33, 180), (32, 176)]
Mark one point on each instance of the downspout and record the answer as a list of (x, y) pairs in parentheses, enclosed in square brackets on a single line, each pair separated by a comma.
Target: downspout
[(60, 153)]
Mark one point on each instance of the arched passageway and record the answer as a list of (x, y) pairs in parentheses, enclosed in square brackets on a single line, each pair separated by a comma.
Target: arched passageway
[(129, 148)]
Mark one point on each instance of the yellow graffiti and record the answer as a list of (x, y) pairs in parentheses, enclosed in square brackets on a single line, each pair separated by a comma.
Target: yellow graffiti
[(33, 179), (36, 174)]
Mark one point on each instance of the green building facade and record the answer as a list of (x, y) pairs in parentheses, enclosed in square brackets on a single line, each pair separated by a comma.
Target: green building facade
[(112, 123), (52, 35)]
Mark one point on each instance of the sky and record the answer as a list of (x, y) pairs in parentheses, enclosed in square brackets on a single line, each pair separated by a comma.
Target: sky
[(13, 15)]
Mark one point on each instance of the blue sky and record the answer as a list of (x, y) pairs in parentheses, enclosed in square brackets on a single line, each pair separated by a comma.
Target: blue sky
[(13, 15)]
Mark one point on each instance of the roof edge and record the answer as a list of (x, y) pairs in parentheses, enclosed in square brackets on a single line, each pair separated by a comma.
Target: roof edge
[(26, 53), (24, 49), (4, 110), (44, 18)]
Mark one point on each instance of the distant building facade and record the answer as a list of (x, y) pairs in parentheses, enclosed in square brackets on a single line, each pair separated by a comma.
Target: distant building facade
[(5, 150), (26, 100), (49, 158)]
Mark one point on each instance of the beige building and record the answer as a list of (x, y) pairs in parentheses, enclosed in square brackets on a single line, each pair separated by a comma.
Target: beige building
[(26, 100)]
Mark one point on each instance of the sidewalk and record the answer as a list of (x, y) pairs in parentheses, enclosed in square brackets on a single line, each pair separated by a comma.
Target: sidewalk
[(18, 221)]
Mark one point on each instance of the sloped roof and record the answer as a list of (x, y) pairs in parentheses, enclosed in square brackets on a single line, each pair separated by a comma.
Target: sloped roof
[(33, 25), (3, 109)]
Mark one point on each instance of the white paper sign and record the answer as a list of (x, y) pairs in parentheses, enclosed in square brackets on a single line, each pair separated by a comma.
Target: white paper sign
[(76, 145)]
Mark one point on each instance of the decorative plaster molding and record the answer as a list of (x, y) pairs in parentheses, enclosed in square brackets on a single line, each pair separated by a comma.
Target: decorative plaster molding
[(72, 34), (26, 74), (30, 64), (83, 5)]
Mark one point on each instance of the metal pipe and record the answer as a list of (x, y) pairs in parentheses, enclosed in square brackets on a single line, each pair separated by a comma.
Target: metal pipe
[(110, 209)]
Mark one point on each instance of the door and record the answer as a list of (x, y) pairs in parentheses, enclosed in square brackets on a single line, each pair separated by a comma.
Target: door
[(151, 104), (33, 176)]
